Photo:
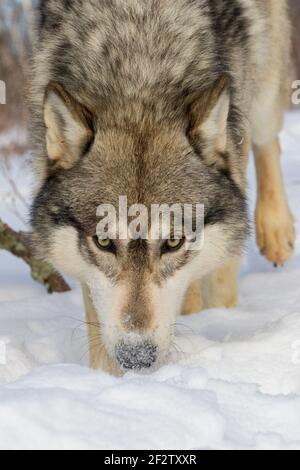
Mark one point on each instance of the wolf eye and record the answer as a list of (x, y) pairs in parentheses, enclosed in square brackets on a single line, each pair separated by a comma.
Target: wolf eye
[(105, 244), (172, 245)]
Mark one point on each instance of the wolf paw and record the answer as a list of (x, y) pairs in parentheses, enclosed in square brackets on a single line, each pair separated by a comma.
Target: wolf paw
[(275, 233)]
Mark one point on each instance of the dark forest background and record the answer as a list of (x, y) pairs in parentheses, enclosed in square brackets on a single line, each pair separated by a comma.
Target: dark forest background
[(15, 19)]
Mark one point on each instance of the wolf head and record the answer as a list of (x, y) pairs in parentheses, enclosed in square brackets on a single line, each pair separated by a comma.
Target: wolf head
[(134, 149)]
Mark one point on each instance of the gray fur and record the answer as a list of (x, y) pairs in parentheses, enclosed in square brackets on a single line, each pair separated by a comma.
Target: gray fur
[(133, 69)]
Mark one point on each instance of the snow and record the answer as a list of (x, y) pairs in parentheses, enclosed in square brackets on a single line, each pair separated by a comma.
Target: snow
[(234, 382)]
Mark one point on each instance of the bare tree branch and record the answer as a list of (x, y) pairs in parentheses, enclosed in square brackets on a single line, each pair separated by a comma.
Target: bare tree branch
[(18, 244)]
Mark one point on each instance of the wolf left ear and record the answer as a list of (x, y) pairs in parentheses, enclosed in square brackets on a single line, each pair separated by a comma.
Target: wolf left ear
[(208, 117), (69, 127)]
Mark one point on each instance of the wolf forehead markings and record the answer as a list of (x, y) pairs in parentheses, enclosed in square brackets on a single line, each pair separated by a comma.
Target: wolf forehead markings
[(159, 101)]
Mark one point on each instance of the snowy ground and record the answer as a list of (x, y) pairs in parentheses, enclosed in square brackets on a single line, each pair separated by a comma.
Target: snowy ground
[(234, 384)]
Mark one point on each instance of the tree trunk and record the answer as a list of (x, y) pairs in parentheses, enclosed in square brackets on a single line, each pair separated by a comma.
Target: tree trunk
[(18, 244)]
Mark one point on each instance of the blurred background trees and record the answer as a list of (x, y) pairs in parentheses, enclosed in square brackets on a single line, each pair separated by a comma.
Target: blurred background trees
[(15, 20)]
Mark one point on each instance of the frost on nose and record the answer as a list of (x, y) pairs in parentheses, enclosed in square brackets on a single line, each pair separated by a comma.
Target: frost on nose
[(141, 355)]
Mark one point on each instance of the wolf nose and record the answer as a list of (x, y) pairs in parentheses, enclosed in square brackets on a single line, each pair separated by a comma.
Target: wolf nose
[(136, 356)]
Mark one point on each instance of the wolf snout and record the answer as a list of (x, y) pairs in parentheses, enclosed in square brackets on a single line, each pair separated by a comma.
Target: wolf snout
[(136, 356)]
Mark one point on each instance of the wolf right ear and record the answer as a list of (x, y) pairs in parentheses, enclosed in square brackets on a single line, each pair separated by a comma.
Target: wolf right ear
[(69, 127)]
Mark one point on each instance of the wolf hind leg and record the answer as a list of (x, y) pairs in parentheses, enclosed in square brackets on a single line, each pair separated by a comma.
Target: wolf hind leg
[(220, 288), (192, 302), (99, 358), (275, 232)]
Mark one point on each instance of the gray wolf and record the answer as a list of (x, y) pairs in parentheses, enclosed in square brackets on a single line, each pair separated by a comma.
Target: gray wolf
[(158, 100)]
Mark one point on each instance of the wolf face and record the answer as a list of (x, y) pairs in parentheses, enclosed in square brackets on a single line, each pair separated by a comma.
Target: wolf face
[(137, 285)]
